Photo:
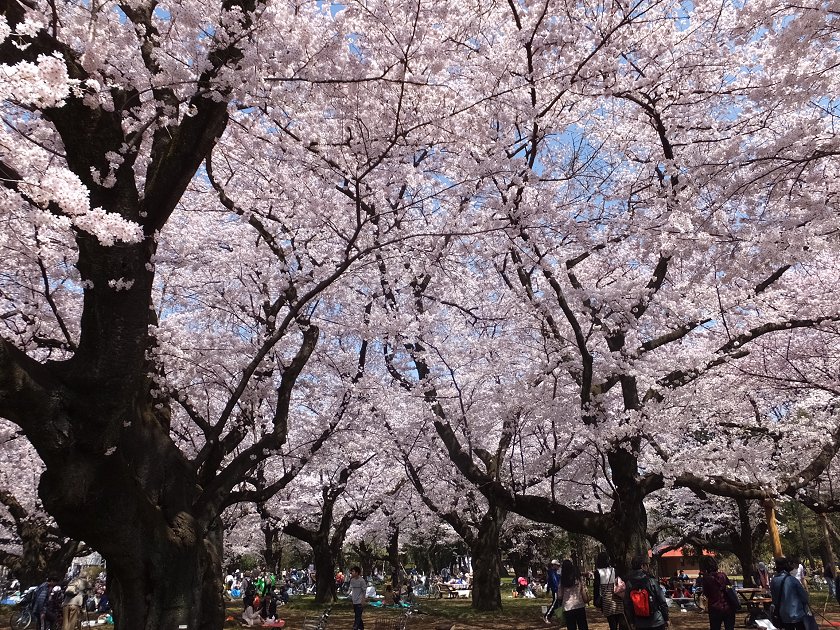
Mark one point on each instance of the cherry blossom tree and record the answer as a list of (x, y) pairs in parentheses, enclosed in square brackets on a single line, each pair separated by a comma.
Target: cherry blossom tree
[(31, 545), (649, 231), (182, 186), (558, 246), (724, 525)]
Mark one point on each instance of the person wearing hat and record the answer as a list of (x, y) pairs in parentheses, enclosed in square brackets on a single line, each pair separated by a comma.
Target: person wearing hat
[(552, 584), (763, 577)]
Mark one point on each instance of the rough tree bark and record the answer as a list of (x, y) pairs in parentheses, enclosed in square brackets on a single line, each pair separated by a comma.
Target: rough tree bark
[(45, 550), (486, 556)]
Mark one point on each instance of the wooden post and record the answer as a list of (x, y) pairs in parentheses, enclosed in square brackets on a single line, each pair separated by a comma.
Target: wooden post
[(772, 528)]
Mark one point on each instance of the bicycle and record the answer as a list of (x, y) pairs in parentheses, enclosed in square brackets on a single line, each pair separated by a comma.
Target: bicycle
[(318, 623), (24, 618), (699, 599)]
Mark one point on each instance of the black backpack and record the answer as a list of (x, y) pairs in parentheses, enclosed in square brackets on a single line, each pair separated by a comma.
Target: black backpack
[(248, 597)]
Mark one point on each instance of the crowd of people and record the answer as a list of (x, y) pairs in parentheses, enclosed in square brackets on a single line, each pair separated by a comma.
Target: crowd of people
[(640, 601), (636, 600), (58, 604)]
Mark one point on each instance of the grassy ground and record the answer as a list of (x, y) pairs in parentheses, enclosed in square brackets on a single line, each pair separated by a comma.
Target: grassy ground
[(517, 614)]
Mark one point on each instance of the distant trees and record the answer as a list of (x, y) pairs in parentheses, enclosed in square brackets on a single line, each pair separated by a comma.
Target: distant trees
[(585, 269)]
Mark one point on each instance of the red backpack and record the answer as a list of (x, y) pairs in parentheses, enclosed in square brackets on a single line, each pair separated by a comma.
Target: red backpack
[(641, 600)]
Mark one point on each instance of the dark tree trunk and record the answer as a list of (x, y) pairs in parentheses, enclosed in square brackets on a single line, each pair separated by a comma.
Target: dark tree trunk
[(520, 563), (486, 592), (394, 558), (178, 585), (626, 533), (134, 503), (325, 590), (826, 549), (803, 539), (272, 553), (744, 544), (367, 558)]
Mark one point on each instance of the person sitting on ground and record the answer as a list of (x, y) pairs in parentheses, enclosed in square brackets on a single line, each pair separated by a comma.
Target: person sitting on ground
[(388, 597), (370, 592), (283, 594), (250, 617), (408, 594)]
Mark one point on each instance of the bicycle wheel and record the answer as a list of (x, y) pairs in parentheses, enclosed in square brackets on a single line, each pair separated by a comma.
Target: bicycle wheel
[(21, 620)]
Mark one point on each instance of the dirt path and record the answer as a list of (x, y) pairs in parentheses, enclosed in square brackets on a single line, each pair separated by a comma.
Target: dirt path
[(458, 616)]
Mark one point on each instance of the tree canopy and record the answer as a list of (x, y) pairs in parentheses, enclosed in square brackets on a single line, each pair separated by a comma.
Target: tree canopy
[(565, 256)]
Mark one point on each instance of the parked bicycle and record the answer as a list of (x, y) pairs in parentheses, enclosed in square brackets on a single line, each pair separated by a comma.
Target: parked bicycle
[(23, 617)]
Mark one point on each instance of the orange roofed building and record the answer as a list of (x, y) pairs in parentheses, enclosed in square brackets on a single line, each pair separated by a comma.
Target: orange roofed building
[(686, 559)]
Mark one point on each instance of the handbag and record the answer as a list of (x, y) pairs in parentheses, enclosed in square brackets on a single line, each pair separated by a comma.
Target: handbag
[(810, 622), (584, 593), (732, 598), (619, 588)]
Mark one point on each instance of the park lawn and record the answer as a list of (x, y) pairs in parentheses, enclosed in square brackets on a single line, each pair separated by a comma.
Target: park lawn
[(516, 614), (456, 614)]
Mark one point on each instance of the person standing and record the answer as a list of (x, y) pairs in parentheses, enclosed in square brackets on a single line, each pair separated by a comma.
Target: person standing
[(574, 596), (828, 574), (552, 583), (715, 583), (798, 571), (644, 602), (74, 599), (39, 602), (790, 599), (608, 592), (358, 586), (763, 576)]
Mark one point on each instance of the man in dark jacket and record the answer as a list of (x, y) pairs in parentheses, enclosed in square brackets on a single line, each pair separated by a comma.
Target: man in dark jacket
[(39, 602), (640, 584), (790, 600)]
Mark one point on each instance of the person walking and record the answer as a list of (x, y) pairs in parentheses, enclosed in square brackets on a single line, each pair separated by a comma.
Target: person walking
[(552, 583), (790, 599), (609, 591), (828, 574), (715, 583), (574, 596), (644, 602), (358, 586)]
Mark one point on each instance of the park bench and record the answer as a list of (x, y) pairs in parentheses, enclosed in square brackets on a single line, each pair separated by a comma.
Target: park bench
[(447, 591)]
